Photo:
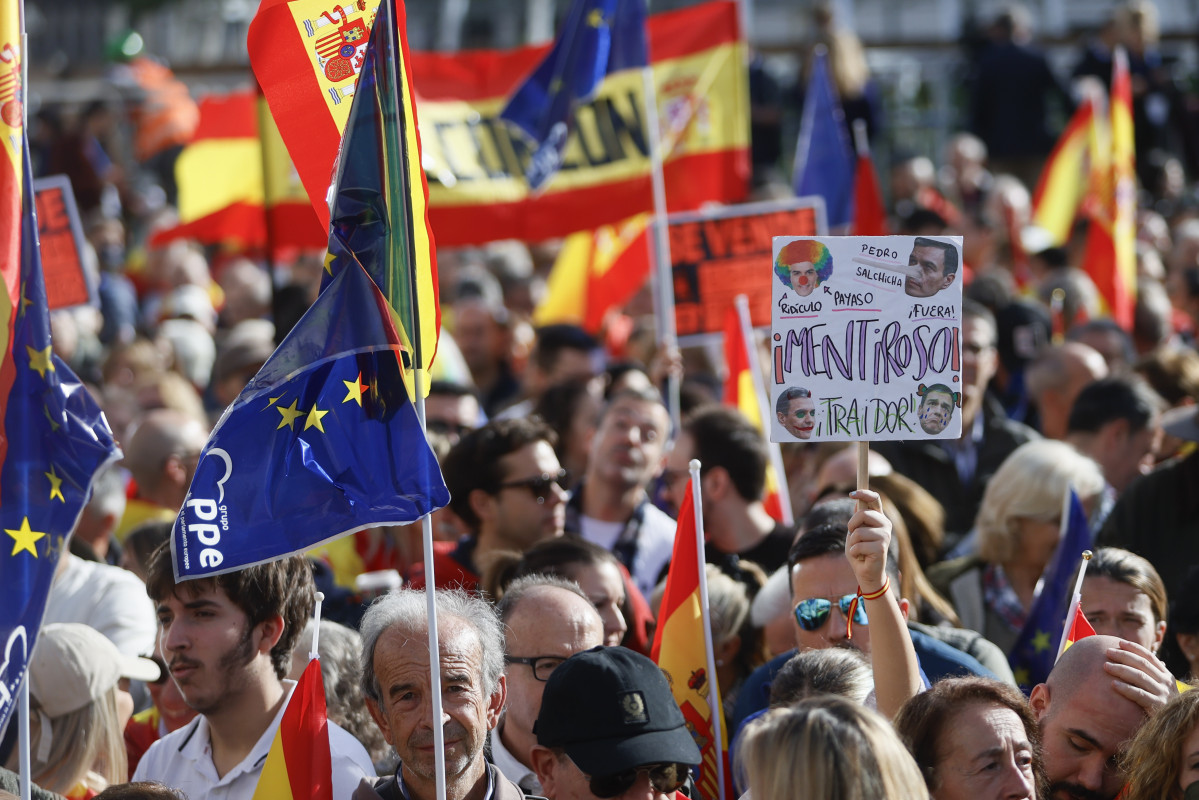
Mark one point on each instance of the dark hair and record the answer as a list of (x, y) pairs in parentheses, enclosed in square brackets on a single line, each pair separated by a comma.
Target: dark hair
[(782, 405), (948, 248), (723, 437), (558, 406), (1129, 568), (1128, 351), (823, 532), (143, 540), (141, 790), (474, 462), (835, 670), (282, 588), (551, 340), (922, 719), (1113, 398), (549, 557), (922, 218)]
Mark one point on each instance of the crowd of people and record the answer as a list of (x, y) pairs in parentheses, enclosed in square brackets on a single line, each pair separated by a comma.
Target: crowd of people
[(861, 652)]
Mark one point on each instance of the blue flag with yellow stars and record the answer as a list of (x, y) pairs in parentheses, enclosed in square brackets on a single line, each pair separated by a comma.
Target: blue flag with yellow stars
[(598, 38), (322, 442), (55, 437), (1035, 650)]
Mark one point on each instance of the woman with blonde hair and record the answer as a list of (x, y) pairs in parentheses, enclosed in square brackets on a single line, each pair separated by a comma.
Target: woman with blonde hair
[(1018, 528), (78, 710), (827, 748), (1163, 760)]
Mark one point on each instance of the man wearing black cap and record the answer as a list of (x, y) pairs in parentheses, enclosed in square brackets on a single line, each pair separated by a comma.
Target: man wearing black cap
[(609, 728)]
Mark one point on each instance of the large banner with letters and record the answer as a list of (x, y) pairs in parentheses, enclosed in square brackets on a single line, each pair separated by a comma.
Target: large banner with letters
[(865, 338)]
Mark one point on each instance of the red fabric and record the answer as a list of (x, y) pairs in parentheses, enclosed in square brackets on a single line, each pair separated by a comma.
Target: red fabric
[(447, 571), (870, 216), (140, 732)]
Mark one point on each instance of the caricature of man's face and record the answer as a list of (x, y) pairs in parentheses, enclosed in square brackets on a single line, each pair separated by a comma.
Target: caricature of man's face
[(804, 279), (800, 419), (935, 411), (926, 275)]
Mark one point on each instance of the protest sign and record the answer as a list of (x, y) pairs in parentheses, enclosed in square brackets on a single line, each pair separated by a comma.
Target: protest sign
[(61, 237), (719, 255), (865, 338)]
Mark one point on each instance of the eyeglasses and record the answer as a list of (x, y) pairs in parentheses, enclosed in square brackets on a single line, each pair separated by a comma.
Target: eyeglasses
[(542, 666), (812, 613), (540, 486), (664, 778)]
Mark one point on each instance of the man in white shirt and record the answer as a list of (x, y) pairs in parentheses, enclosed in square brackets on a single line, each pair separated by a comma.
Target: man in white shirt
[(547, 620), (227, 642)]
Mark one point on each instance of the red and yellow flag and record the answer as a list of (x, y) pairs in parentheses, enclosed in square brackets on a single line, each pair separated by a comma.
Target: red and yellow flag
[(1059, 191), (299, 764), (1079, 629), (742, 393), (237, 185), (681, 647), (1110, 257), (594, 272), (869, 212), (12, 136)]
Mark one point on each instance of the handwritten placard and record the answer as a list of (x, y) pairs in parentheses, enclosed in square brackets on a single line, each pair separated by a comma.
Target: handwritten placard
[(866, 338)]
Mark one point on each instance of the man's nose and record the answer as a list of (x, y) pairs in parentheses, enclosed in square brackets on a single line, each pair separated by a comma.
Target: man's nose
[(838, 629), (642, 789), (1017, 783)]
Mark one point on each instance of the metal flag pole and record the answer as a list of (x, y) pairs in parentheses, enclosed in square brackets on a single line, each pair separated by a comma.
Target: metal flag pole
[(705, 615), (398, 87)]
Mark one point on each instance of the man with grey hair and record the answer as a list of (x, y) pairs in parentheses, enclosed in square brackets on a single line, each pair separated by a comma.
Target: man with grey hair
[(397, 685), (547, 620)]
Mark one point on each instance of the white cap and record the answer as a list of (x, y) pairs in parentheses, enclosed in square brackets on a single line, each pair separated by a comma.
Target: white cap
[(74, 665)]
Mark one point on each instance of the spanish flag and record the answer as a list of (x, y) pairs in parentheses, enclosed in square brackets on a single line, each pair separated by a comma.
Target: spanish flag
[(596, 271), (1059, 191), (298, 764), (1110, 257), (683, 647), (1079, 629), (744, 393)]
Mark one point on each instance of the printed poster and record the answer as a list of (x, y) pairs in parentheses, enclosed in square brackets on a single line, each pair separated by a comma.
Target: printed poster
[(866, 338)]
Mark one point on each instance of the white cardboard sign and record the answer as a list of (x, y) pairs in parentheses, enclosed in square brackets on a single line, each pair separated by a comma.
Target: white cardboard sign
[(866, 338)]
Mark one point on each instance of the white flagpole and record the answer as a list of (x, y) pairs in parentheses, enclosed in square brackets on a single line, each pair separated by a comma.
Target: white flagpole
[(663, 278), (399, 86), (1075, 603), (313, 650), (772, 448), (705, 617), (23, 733)]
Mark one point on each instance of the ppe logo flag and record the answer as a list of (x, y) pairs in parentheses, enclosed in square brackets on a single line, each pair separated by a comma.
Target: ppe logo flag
[(322, 442)]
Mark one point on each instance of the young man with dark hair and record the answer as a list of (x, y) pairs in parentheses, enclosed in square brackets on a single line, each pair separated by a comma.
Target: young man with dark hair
[(506, 484), (1117, 421), (733, 459), (227, 642)]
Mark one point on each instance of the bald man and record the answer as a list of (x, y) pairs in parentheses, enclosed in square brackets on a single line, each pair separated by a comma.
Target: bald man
[(161, 456), (546, 621), (1055, 379), (1097, 696)]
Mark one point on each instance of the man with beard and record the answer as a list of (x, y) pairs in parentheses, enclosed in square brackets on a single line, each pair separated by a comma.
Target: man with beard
[(1098, 695), (397, 685), (227, 641), (611, 507)]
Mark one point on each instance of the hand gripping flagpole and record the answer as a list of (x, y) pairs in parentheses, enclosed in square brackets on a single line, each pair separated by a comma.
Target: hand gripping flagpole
[(398, 86), (705, 616)]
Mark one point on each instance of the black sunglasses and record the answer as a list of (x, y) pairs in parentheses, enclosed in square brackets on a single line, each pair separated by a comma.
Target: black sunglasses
[(540, 486), (664, 778)]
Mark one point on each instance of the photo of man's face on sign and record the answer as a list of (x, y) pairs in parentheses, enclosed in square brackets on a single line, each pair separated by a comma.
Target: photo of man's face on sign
[(932, 266), (936, 407), (804, 265), (796, 411)]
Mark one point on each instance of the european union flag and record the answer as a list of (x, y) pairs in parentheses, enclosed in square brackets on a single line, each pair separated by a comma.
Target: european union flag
[(55, 437), (322, 442), (1035, 650), (598, 38), (824, 159)]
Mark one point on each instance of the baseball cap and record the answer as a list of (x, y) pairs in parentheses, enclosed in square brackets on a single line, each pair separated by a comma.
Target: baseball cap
[(74, 665), (611, 709)]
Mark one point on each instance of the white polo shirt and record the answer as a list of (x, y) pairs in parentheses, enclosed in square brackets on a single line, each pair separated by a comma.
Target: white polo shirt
[(183, 760)]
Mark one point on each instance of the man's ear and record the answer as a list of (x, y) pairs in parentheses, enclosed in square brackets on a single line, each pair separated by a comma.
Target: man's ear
[(380, 719), (544, 762), (482, 503), (948, 280), (495, 703), (1159, 634), (716, 483), (1038, 701), (271, 630)]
